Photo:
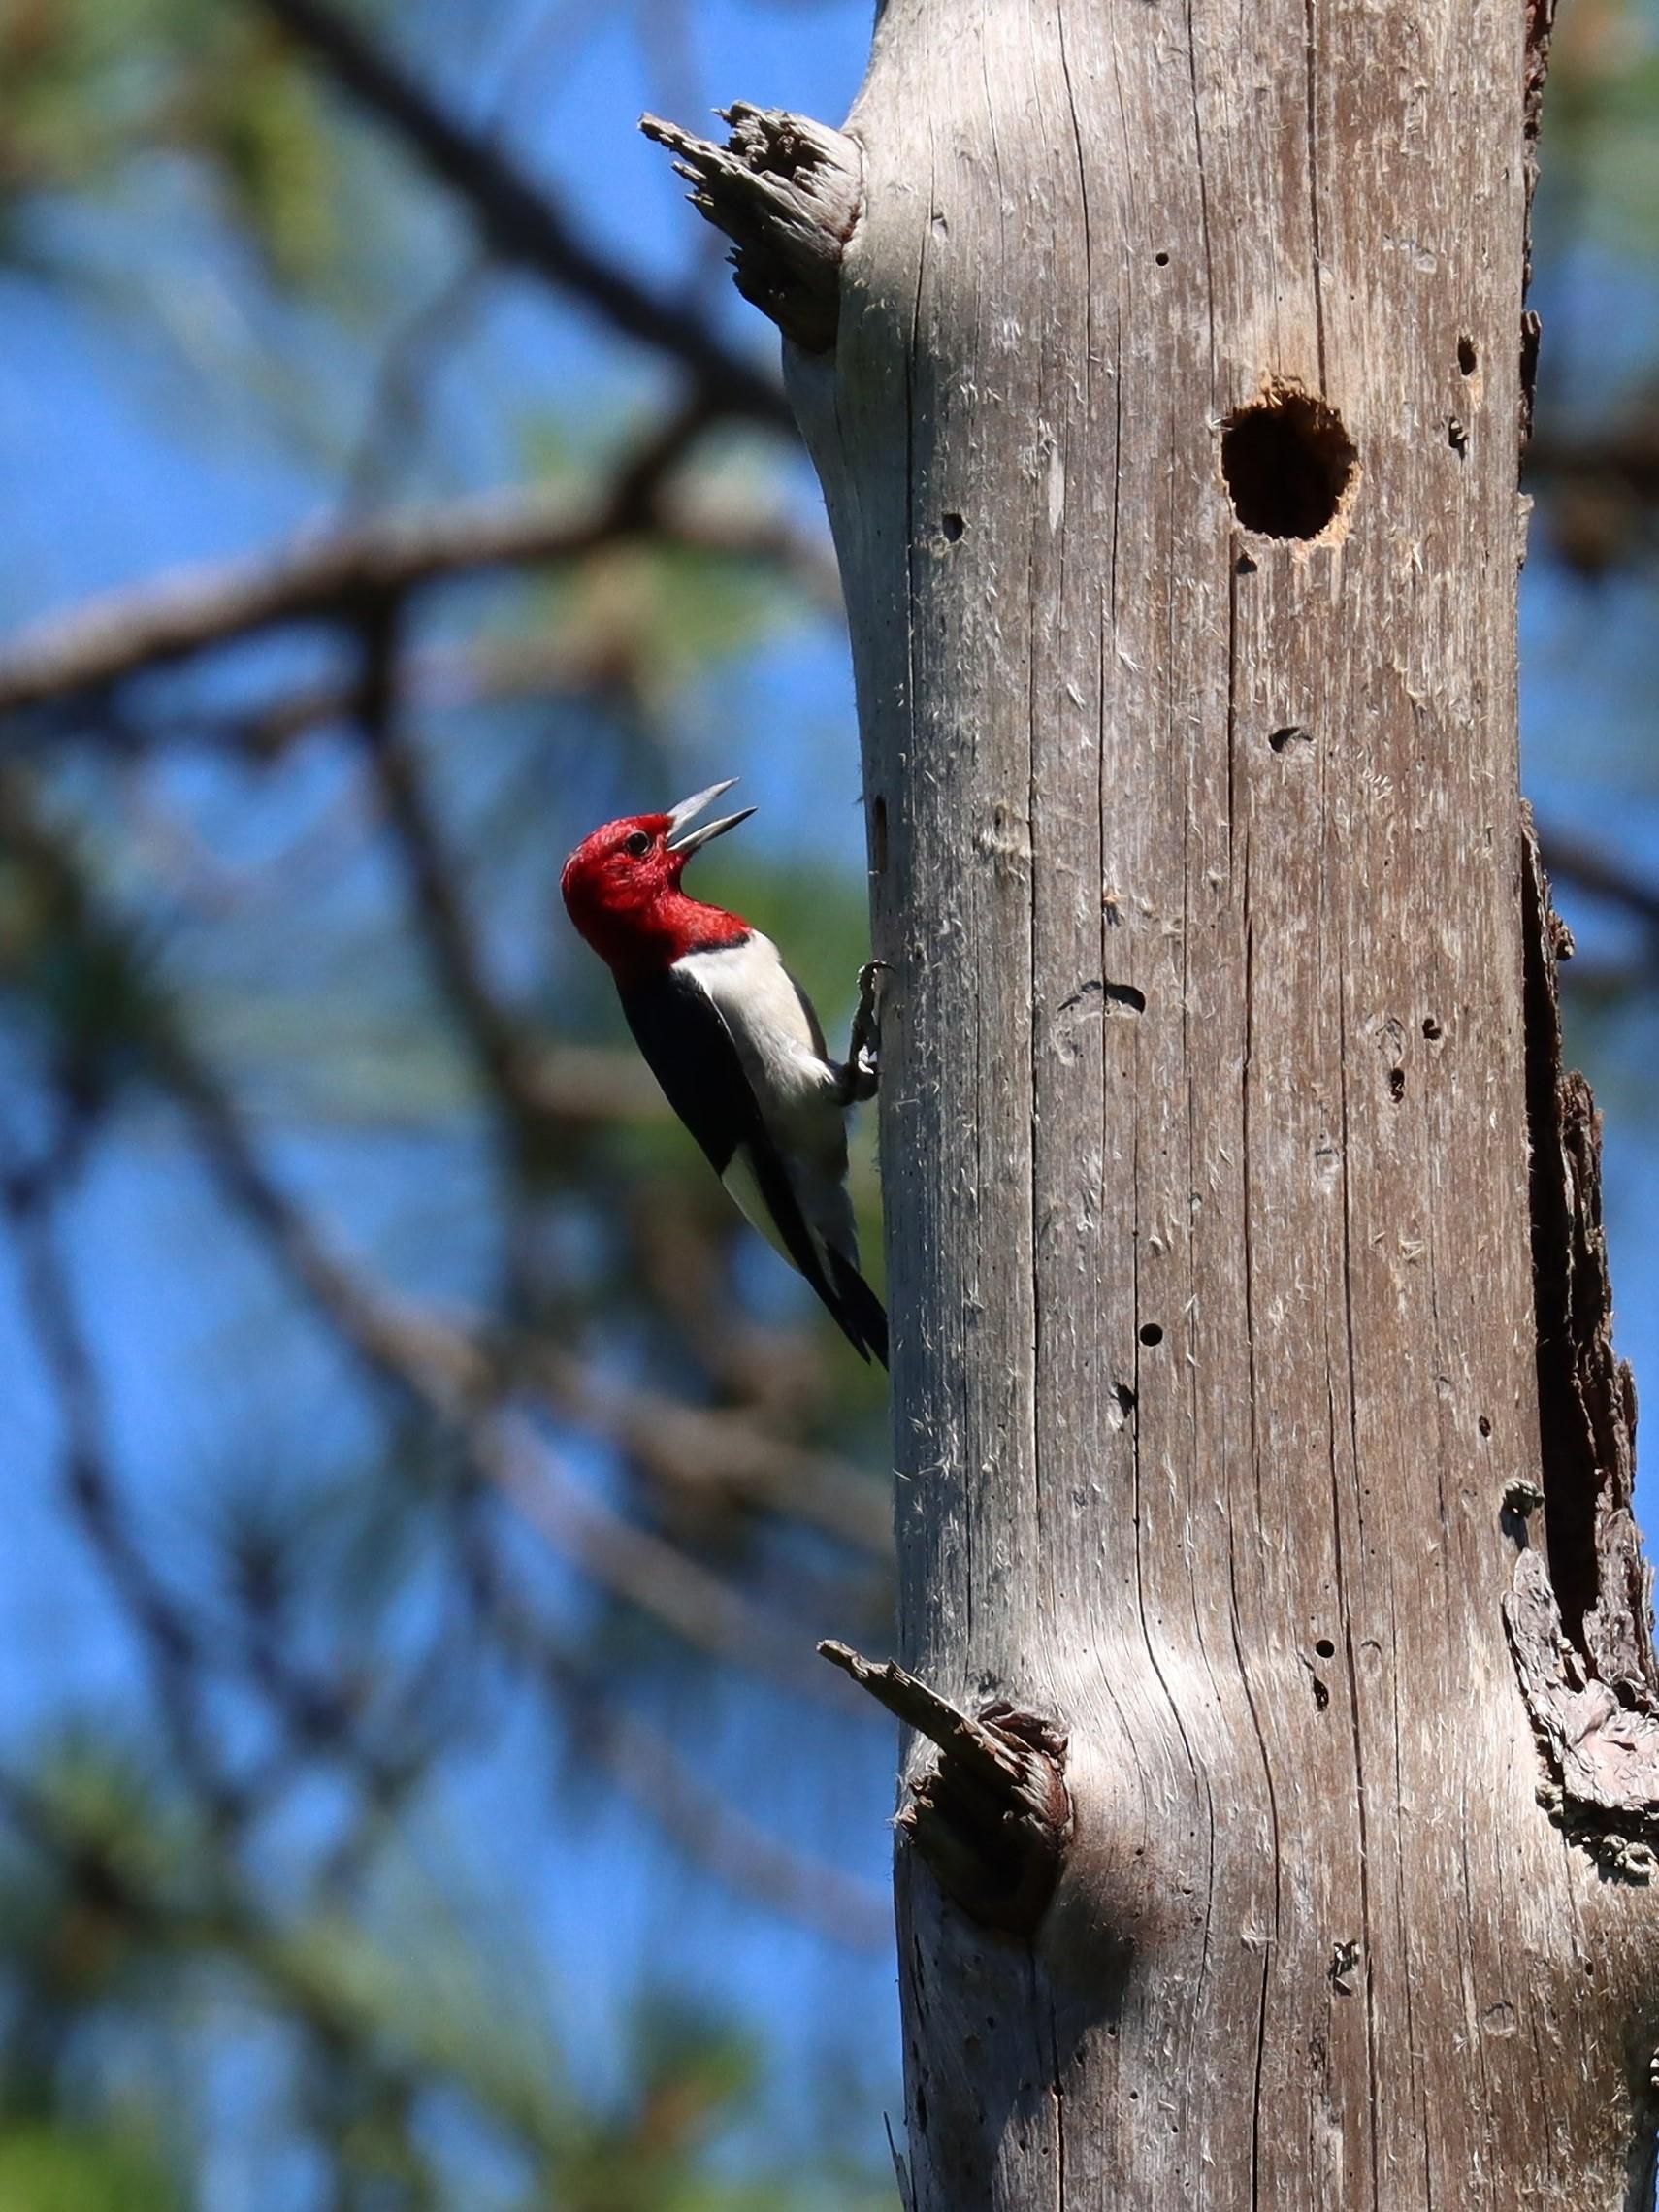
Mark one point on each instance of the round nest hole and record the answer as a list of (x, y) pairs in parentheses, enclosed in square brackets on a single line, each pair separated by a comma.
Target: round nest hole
[(1288, 464)]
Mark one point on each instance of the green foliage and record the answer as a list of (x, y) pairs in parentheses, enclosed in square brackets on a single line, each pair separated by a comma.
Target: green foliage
[(94, 992), (96, 88), (88, 992), (253, 114), (119, 1908), (1601, 143), (644, 619), (60, 2165)]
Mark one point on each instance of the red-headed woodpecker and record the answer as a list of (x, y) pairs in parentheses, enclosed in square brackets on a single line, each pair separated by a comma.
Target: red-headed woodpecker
[(735, 1045)]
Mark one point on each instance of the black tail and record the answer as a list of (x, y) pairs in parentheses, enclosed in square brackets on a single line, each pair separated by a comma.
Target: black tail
[(862, 1316)]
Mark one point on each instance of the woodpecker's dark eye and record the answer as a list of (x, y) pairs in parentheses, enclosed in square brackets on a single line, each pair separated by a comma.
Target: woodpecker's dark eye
[(638, 845)]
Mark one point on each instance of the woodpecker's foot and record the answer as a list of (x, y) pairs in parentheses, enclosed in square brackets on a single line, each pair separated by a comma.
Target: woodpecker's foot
[(860, 1077)]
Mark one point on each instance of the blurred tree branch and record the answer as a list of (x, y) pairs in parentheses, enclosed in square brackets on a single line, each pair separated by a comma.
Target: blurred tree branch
[(1591, 869), (1599, 487), (165, 1632), (695, 1451), (666, 1784), (332, 578), (519, 220), (382, 2042), (179, 1643), (703, 1610)]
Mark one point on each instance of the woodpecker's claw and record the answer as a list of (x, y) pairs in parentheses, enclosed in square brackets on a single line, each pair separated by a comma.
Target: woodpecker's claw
[(862, 1075)]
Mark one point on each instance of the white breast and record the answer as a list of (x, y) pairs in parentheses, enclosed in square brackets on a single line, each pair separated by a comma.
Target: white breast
[(777, 1040), (777, 1037)]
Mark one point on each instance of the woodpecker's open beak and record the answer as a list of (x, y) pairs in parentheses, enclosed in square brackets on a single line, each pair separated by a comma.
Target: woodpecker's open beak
[(686, 842)]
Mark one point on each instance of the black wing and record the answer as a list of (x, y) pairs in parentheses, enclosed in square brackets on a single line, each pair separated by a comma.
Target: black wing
[(860, 1313), (690, 1051)]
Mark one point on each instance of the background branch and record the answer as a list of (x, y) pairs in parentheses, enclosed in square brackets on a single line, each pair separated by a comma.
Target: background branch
[(332, 578), (519, 220)]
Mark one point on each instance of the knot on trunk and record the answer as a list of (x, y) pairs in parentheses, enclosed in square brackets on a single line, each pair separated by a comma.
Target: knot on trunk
[(992, 1818), (787, 192)]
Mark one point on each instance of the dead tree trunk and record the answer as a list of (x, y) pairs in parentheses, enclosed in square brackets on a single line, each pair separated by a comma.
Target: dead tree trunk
[(1167, 398)]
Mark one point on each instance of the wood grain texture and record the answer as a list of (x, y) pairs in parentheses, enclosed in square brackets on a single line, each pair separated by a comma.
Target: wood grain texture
[(1204, 1104)]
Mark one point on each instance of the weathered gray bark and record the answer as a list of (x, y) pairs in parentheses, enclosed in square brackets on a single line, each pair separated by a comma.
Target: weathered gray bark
[(1196, 853)]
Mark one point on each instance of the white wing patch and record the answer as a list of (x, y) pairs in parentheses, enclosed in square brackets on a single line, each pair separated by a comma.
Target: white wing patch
[(776, 1036), (743, 1188), (799, 1093)]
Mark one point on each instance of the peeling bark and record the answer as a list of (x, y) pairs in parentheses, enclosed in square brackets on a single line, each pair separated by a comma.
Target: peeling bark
[(1580, 1622), (1587, 1394)]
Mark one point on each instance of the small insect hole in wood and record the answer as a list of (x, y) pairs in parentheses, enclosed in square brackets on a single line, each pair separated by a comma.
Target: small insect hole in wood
[(1325, 1648), (1457, 436), (1288, 464), (1467, 360), (1396, 1084), (1292, 734), (1162, 260), (1243, 566), (1432, 1029), (1483, 1425), (952, 527), (1150, 1333)]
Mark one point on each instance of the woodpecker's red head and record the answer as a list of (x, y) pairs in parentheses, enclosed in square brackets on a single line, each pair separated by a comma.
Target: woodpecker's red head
[(622, 886)]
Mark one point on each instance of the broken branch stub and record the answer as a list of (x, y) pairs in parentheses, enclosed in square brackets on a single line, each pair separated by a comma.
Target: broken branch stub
[(787, 192), (992, 1818)]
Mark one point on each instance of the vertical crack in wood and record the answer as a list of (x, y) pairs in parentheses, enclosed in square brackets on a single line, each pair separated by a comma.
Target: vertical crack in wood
[(992, 1818), (787, 192)]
